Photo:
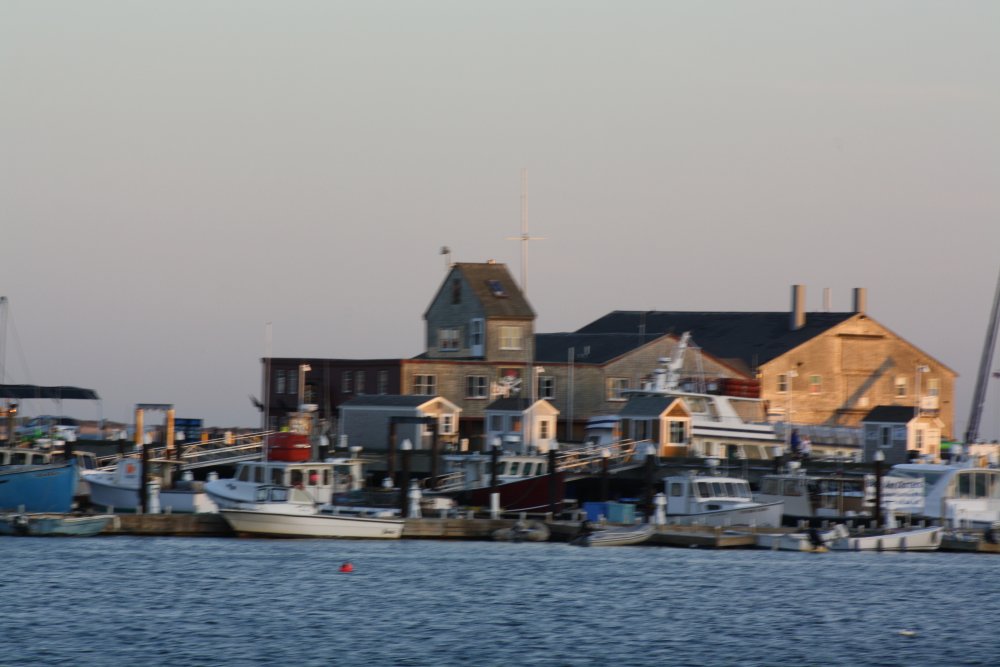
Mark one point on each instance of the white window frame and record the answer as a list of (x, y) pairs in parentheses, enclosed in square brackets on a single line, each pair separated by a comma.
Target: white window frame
[(511, 338), (424, 385), (899, 388), (447, 423), (477, 387), (359, 382), (449, 339), (616, 387), (279, 382), (815, 384), (543, 429), (293, 382), (382, 382), (782, 383), (546, 386), (346, 379), (477, 328)]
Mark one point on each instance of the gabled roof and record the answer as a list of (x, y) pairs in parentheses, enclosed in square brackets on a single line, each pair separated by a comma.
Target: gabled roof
[(647, 406), (388, 400), (494, 287), (898, 414), (588, 348), (752, 338)]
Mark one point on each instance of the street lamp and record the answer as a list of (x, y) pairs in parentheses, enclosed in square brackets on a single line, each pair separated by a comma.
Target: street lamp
[(605, 458), (917, 408), (879, 458), (303, 369)]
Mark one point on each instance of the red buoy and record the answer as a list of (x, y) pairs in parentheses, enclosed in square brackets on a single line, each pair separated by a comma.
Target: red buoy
[(347, 567)]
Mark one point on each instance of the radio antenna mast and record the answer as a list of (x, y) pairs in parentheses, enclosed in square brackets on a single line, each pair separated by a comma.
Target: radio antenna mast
[(524, 237)]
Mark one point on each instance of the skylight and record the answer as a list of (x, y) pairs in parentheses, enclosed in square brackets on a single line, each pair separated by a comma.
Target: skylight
[(496, 288)]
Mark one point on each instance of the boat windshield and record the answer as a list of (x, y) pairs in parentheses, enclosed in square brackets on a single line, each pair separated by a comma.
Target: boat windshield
[(930, 477)]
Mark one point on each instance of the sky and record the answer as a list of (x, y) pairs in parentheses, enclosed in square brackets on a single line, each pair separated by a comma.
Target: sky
[(175, 175)]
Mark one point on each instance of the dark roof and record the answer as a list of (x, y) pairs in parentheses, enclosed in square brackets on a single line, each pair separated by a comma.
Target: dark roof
[(56, 393), (899, 414), (588, 348), (512, 404), (752, 338), (388, 400), (646, 406), (495, 288)]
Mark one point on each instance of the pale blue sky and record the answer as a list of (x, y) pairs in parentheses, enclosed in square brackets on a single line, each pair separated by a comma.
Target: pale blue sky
[(176, 174)]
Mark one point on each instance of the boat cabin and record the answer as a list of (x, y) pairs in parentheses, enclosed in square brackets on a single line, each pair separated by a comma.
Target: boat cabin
[(807, 496), (696, 494), (956, 494), (472, 471), (20, 456)]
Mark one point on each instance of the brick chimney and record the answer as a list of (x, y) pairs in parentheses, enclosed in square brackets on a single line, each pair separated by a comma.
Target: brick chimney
[(798, 319)]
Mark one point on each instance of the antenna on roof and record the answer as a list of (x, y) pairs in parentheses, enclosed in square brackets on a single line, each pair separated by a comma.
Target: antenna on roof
[(524, 238)]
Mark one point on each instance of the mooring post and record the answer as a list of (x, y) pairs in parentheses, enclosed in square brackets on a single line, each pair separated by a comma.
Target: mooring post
[(552, 479), (404, 483), (650, 475)]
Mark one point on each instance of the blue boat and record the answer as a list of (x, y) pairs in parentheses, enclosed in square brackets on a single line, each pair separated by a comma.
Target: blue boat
[(38, 488)]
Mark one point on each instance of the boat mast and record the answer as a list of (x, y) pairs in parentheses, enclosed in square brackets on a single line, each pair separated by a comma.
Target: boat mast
[(979, 398)]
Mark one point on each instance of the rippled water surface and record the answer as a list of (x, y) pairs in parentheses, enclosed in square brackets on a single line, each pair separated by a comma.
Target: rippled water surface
[(200, 601)]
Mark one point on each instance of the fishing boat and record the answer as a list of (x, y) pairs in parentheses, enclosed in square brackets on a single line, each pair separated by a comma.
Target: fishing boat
[(119, 489), (53, 525), (959, 494), (714, 500), (288, 465), (280, 511), (29, 485), (522, 481), (814, 499), (616, 536), (910, 539)]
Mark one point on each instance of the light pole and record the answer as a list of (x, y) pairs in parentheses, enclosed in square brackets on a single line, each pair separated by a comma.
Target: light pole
[(792, 373), (404, 483), (605, 458), (303, 369), (879, 457), (917, 407)]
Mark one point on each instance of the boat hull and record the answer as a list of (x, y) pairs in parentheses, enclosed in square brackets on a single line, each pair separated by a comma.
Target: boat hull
[(38, 488), (920, 539), (616, 537), (523, 495), (105, 492), (53, 525), (276, 524), (767, 515)]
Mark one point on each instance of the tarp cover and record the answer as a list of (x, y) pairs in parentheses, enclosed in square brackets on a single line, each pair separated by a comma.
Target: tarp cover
[(56, 393)]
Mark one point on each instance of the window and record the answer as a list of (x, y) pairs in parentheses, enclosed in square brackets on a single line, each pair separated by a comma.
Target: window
[(293, 382), (933, 387), (475, 386), (515, 466), (677, 432), (424, 385), (510, 338), (345, 382), (885, 437), (900, 390), (543, 429), (515, 424), (280, 383), (447, 424), (496, 422), (616, 388), (815, 384), (918, 440), (448, 339), (383, 382), (782, 383), (676, 489), (475, 333), (359, 382), (546, 386), (496, 289)]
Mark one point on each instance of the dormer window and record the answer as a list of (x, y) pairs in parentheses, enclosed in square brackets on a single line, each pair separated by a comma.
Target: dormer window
[(496, 289)]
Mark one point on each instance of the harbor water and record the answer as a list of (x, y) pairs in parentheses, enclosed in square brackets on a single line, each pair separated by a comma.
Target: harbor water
[(206, 601)]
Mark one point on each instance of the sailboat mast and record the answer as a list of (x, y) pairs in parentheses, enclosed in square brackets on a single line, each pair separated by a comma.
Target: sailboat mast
[(979, 397)]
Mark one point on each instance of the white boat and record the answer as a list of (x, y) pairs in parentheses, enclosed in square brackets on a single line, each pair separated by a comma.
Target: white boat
[(720, 424), (957, 494), (321, 481), (814, 498), (914, 539), (813, 540), (119, 489), (712, 500), (618, 536), (280, 511)]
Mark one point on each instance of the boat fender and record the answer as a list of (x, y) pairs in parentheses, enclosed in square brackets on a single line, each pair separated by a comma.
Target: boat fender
[(347, 567)]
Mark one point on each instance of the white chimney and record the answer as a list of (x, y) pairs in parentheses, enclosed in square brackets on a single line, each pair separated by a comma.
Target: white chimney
[(860, 299), (798, 319)]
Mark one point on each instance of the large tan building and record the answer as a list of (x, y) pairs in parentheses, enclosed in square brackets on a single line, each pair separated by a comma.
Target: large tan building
[(818, 368)]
